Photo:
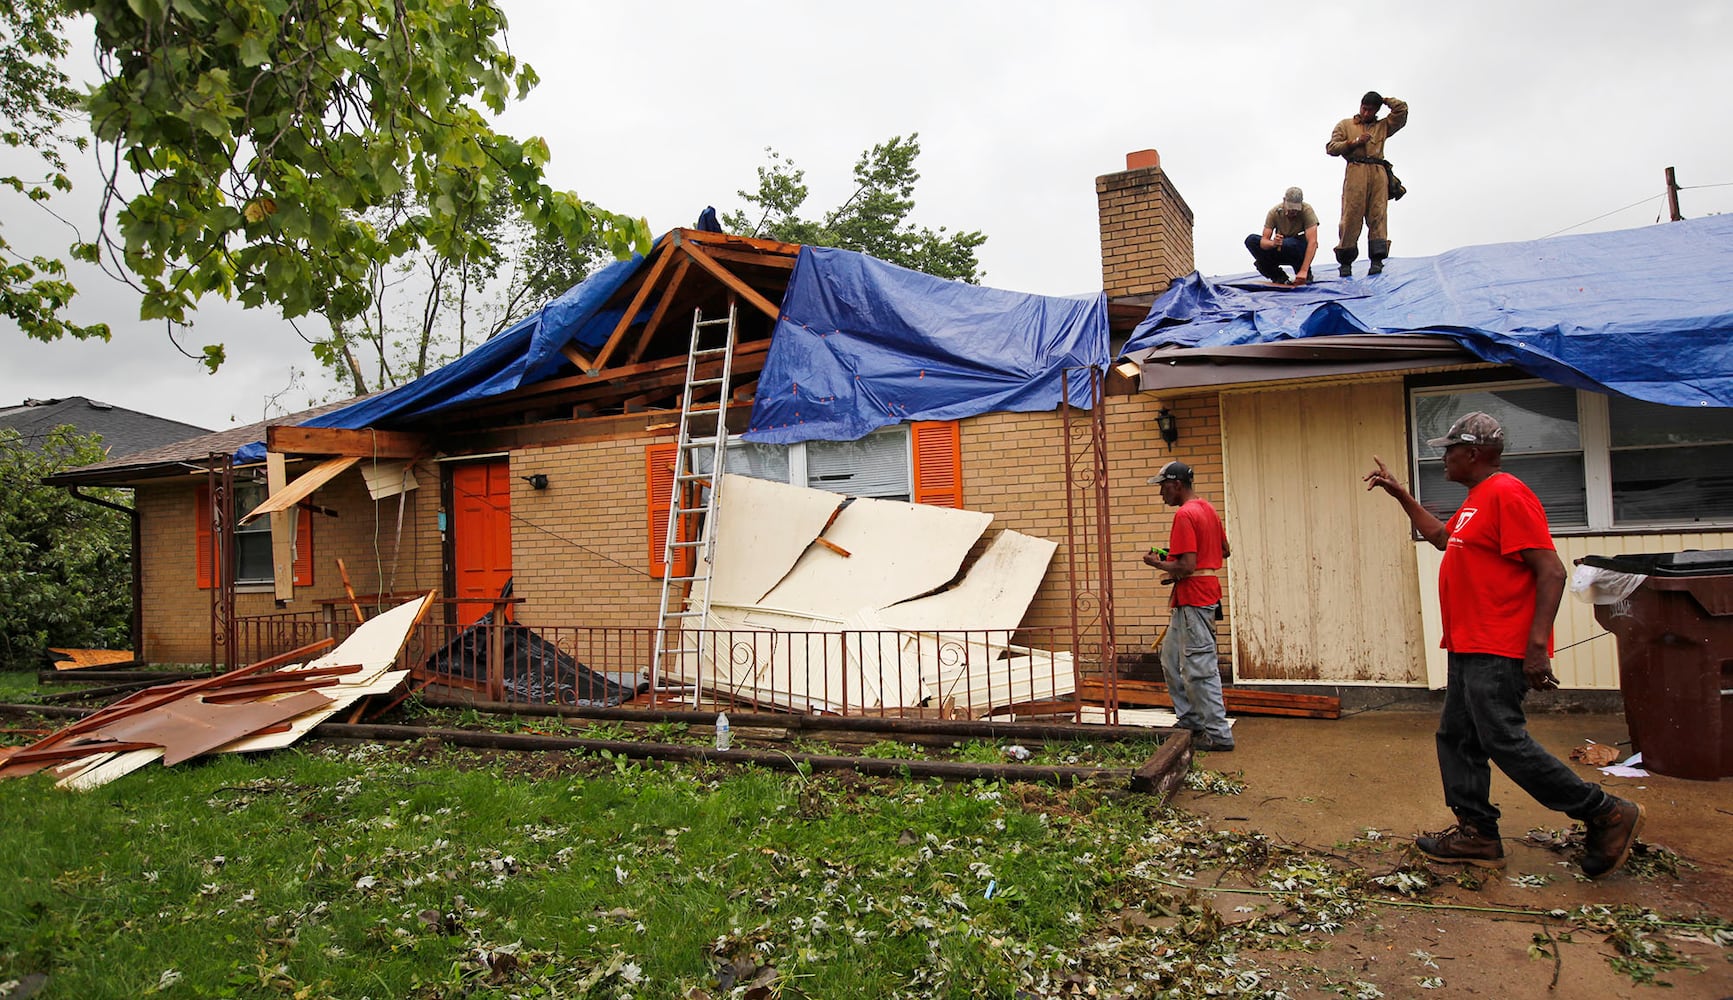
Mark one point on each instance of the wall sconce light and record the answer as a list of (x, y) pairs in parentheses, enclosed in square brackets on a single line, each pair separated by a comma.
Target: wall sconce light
[(537, 481), (1167, 425)]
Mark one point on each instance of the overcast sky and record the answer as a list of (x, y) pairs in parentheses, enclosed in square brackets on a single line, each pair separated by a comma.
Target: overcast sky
[(1526, 120)]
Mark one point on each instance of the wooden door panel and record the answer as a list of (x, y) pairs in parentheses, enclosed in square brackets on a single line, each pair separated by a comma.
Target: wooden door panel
[(480, 534)]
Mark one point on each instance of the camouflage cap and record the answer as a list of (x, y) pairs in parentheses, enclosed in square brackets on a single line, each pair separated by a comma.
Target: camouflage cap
[(1470, 428)]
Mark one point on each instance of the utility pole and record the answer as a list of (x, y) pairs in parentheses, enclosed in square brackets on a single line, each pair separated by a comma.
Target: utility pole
[(1673, 196)]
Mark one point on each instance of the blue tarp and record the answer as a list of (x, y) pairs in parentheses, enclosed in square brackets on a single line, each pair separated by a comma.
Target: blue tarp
[(862, 344), (1643, 312)]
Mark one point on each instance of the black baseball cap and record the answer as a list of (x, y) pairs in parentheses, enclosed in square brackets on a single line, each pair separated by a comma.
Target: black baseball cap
[(1172, 470)]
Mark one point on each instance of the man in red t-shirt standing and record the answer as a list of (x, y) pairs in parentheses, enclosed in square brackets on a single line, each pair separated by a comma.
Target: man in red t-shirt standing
[(1498, 591), (1193, 560)]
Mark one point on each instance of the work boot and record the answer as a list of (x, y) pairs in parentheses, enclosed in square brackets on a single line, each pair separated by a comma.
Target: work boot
[(1272, 272), (1462, 845), (1345, 257), (1377, 250), (1610, 837)]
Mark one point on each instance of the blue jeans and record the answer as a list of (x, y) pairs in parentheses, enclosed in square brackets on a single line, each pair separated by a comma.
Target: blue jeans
[(1193, 670), (1292, 252), (1483, 721)]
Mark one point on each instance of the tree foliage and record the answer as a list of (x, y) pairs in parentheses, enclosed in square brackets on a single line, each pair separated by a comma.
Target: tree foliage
[(427, 309), (874, 219), (36, 99), (247, 144), (65, 564)]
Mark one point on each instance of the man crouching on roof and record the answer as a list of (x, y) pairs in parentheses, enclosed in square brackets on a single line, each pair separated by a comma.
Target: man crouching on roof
[(1290, 237)]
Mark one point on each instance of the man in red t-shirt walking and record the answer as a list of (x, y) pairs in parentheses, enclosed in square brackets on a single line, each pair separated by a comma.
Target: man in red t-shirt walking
[(1193, 559), (1498, 591)]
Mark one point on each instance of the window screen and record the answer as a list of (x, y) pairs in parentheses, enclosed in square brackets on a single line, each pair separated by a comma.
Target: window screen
[(1542, 447), (874, 466)]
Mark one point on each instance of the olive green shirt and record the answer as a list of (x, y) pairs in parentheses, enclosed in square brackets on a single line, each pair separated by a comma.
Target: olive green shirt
[(1285, 225)]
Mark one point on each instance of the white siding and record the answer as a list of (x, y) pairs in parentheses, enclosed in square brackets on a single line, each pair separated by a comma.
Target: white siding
[(1322, 573)]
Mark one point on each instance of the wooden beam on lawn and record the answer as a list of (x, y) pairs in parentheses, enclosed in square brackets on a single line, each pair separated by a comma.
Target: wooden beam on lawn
[(644, 289), (1165, 770), (728, 278), (661, 311), (363, 443)]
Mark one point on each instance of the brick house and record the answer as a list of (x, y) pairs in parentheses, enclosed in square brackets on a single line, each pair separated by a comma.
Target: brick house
[(552, 483)]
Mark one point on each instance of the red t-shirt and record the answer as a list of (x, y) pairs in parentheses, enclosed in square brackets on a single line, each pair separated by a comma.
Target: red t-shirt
[(1196, 528), (1485, 590)]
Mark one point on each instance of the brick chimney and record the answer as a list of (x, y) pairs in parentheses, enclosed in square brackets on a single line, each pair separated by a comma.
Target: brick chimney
[(1145, 228)]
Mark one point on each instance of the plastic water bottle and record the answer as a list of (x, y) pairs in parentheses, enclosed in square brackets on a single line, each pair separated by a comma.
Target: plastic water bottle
[(723, 736)]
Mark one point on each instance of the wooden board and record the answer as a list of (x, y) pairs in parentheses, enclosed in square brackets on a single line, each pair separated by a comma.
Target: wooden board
[(1237, 700), (81, 659)]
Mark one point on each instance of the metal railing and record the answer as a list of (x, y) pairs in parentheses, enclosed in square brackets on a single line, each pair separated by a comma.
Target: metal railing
[(947, 673)]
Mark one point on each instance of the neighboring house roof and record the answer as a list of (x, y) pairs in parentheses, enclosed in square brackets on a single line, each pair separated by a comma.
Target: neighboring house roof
[(123, 431), (182, 455), (1643, 312)]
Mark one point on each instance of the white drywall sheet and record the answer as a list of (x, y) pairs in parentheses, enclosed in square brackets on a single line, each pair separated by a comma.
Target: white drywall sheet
[(993, 594)]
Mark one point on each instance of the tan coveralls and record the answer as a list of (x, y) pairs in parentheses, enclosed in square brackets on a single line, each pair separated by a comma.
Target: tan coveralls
[(1365, 189)]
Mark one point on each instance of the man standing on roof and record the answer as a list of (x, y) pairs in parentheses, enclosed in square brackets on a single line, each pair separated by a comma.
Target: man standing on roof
[(1192, 560), (1290, 237), (1366, 185), (1498, 590)]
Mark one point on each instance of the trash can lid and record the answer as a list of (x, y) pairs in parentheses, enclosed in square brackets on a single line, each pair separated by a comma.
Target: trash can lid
[(1691, 562)]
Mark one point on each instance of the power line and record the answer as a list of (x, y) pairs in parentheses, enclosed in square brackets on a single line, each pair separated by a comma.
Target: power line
[(1598, 218)]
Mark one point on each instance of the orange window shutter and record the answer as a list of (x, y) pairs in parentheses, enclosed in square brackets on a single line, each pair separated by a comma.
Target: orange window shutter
[(659, 481), (938, 452), (202, 530), (303, 573)]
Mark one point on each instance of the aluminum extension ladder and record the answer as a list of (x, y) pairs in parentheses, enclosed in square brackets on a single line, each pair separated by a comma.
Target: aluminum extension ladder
[(690, 527)]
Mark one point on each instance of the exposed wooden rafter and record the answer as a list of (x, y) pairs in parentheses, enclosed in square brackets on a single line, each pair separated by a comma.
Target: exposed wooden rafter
[(362, 443), (728, 278), (643, 294)]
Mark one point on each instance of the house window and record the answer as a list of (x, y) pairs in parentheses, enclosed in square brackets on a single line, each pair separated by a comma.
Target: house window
[(253, 539), (253, 557), (1597, 462), (877, 465)]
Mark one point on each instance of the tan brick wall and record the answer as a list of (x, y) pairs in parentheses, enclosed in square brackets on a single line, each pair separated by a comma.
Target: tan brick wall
[(177, 613), (1146, 232), (580, 548), (1014, 469)]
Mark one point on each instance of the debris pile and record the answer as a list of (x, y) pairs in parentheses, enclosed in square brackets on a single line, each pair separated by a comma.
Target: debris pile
[(821, 603), (263, 706)]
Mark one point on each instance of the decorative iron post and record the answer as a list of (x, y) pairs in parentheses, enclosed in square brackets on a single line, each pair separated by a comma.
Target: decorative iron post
[(220, 477), (1089, 536)]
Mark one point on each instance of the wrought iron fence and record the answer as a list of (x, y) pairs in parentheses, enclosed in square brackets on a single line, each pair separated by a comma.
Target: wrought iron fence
[(947, 673)]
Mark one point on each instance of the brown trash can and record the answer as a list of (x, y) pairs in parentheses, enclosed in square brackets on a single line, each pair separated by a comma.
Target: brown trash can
[(1675, 634)]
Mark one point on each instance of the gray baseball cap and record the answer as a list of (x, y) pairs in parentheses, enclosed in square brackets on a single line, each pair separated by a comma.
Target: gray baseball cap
[(1470, 428)]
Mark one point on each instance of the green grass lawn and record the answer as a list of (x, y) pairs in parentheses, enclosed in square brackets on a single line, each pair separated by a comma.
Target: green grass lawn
[(426, 872)]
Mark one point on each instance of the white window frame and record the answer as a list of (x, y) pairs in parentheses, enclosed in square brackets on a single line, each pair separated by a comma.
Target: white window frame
[(1594, 433), (797, 467)]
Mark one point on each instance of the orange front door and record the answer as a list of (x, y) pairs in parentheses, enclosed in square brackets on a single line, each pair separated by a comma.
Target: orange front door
[(480, 535)]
